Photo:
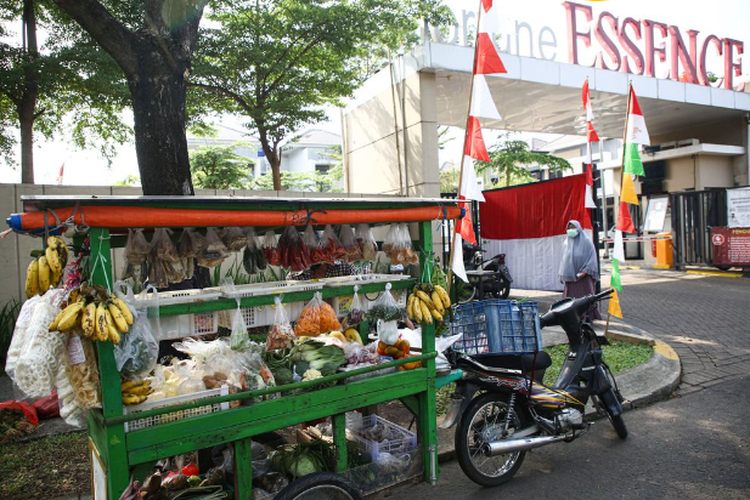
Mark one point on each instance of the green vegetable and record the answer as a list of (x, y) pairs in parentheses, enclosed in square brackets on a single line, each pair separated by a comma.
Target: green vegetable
[(319, 356), (301, 459), (386, 313)]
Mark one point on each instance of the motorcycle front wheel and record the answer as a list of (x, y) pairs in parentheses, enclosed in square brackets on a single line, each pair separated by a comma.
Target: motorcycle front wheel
[(618, 423), (482, 423)]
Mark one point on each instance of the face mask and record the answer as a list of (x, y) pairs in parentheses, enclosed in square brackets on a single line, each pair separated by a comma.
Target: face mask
[(572, 233)]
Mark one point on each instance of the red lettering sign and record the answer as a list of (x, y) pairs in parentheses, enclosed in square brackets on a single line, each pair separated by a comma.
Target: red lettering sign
[(641, 47), (731, 246)]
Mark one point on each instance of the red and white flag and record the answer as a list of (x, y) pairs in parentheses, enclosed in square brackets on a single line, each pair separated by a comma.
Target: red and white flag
[(591, 135), (636, 133), (60, 174), (489, 19)]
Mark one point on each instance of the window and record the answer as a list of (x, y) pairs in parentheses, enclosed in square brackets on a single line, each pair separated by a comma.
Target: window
[(322, 169)]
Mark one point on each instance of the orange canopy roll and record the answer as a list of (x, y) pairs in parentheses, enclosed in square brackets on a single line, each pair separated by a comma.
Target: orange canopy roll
[(123, 217)]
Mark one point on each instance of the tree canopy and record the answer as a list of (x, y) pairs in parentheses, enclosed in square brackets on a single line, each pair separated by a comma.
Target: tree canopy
[(509, 160), (220, 167), (277, 63)]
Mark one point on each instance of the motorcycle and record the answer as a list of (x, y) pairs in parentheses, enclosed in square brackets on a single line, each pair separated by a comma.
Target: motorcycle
[(487, 278), (515, 412)]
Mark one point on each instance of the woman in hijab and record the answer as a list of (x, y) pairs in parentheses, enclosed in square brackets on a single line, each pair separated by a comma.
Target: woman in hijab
[(579, 270)]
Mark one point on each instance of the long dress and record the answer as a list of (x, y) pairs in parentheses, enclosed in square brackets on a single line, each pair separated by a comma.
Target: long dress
[(581, 288)]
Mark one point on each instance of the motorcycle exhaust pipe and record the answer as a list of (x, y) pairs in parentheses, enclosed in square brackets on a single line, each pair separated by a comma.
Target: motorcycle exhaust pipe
[(513, 445)]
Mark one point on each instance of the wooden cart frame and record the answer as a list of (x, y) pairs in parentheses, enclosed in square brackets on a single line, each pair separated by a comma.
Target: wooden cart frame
[(122, 454)]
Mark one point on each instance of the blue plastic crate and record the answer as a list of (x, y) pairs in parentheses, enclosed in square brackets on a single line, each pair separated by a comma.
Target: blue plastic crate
[(470, 321), (513, 327)]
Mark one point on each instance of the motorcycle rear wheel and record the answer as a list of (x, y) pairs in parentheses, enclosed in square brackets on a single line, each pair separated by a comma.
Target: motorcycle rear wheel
[(482, 423)]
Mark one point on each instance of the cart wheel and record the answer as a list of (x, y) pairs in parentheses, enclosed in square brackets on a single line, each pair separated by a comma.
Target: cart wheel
[(320, 486)]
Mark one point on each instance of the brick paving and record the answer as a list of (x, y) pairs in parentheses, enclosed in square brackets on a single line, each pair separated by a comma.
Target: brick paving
[(706, 319)]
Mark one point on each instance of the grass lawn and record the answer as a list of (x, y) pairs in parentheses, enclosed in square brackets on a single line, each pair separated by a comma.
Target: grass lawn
[(619, 356), (47, 467)]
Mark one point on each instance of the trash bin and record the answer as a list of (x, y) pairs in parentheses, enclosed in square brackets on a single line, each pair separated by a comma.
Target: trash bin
[(664, 256)]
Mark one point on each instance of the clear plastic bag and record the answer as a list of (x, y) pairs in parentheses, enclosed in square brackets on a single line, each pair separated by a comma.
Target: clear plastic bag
[(386, 312), (349, 242), (20, 335), (234, 238), (165, 264), (70, 412), (293, 252), (317, 317), (214, 251), (83, 372), (313, 246), (270, 249), (188, 248), (253, 259), (332, 247), (397, 245), (366, 242), (281, 335), (356, 313), (136, 256), (137, 353), (239, 340)]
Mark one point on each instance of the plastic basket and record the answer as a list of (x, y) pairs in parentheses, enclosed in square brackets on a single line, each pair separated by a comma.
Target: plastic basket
[(397, 440), (470, 321), (142, 423), (184, 325), (264, 315), (513, 327)]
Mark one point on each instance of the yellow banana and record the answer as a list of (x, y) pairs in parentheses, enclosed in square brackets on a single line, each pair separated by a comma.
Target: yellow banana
[(426, 315), (44, 275), (416, 308), (127, 385), (54, 278), (53, 259), (69, 317), (141, 390), (53, 325), (132, 399), (74, 294), (60, 248), (425, 298), (124, 309), (117, 317), (88, 320), (438, 302), (443, 296), (112, 334), (436, 315), (32, 279), (409, 306), (100, 323)]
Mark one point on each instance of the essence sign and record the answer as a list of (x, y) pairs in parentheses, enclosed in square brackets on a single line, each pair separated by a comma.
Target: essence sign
[(639, 46)]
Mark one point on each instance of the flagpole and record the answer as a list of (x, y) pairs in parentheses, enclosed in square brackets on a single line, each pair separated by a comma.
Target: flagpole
[(622, 170), (463, 149)]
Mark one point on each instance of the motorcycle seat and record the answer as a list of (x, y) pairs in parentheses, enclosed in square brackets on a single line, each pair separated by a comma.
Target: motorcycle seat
[(493, 362)]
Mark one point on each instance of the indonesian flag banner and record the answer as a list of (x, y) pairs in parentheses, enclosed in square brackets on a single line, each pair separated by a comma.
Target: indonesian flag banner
[(588, 171), (489, 21), (470, 188), (528, 223), (635, 134), (482, 104), (458, 259), (487, 59)]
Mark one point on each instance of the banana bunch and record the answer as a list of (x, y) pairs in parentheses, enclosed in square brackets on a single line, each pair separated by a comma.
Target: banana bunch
[(100, 316), (134, 393), (46, 271), (427, 303)]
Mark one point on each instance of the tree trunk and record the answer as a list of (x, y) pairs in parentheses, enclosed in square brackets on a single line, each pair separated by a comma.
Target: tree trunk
[(158, 97), (26, 120), (26, 106), (273, 155)]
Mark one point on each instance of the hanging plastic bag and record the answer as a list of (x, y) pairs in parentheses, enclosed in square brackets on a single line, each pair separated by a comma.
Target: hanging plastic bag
[(20, 335), (353, 252), (137, 353), (366, 242), (135, 254), (293, 252), (386, 312), (82, 371), (165, 264), (397, 245), (317, 317), (70, 412), (189, 247), (234, 238), (239, 340), (281, 335), (332, 247), (270, 249), (253, 259), (313, 246), (356, 313), (36, 368), (214, 251)]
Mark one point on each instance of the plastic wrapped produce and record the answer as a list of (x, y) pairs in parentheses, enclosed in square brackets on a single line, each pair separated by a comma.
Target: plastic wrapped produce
[(82, 371), (349, 242), (135, 254), (281, 335), (271, 249), (20, 335), (366, 242), (70, 412), (234, 238), (253, 259), (294, 254), (165, 264), (314, 246), (239, 338), (36, 368), (214, 251), (189, 247), (397, 245), (317, 317)]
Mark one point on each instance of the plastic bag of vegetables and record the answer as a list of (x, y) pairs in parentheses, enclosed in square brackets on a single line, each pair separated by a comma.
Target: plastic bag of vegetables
[(317, 317), (301, 459), (137, 353), (239, 340), (386, 313), (366, 242), (281, 335)]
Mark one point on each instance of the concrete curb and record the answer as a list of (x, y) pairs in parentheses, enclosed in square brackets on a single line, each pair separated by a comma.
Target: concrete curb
[(641, 385)]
